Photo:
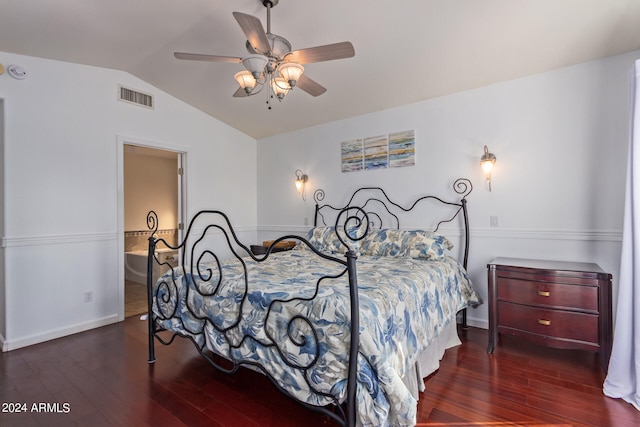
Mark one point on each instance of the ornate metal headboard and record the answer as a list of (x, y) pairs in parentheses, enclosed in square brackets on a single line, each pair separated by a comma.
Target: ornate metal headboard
[(382, 212)]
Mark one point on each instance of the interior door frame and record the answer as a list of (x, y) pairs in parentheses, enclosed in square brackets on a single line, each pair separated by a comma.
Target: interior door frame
[(183, 153)]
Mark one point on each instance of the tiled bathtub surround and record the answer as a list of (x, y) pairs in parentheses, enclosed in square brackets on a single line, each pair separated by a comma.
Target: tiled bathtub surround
[(139, 240)]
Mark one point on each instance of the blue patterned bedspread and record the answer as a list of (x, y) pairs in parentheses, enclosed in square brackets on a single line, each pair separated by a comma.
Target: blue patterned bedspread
[(404, 304)]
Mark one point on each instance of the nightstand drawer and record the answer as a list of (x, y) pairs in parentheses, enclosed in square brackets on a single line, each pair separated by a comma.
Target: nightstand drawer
[(555, 295), (556, 323)]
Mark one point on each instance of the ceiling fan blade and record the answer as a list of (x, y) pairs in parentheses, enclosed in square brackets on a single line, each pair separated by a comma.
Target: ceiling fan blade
[(310, 86), (327, 52), (253, 29), (211, 58), (240, 93)]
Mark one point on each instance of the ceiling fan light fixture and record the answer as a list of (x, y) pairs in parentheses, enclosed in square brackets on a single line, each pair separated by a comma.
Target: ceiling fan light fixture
[(246, 81), (271, 64), (255, 64), (291, 72), (280, 87), (279, 45)]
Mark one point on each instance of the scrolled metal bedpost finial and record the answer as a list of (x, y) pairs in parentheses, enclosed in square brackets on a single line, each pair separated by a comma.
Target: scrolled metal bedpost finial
[(152, 222), (318, 195), (355, 225), (463, 186)]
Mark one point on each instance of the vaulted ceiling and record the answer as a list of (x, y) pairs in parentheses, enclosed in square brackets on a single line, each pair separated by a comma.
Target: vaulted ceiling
[(406, 50)]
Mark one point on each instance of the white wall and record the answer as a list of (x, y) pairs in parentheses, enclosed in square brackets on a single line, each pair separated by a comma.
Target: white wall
[(561, 143), (560, 138), (64, 130)]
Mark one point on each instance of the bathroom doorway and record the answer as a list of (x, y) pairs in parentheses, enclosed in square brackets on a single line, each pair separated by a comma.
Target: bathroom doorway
[(152, 180), (3, 325)]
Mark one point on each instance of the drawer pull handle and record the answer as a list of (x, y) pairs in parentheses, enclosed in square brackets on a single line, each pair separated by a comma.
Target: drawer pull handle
[(544, 293), (544, 322)]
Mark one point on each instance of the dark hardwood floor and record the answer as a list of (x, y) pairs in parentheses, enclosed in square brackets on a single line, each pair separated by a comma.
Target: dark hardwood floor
[(101, 378)]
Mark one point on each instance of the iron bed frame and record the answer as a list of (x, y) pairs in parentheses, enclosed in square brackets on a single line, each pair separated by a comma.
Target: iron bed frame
[(369, 214)]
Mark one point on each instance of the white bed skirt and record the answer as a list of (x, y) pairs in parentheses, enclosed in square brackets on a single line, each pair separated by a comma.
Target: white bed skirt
[(429, 360)]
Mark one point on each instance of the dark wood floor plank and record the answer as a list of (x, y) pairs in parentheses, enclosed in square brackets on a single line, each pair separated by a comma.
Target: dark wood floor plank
[(128, 391), (227, 416), (104, 402), (480, 406), (21, 420), (104, 376), (181, 409)]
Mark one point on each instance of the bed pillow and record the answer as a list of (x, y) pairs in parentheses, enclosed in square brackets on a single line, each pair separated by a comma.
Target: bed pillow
[(326, 240), (418, 244)]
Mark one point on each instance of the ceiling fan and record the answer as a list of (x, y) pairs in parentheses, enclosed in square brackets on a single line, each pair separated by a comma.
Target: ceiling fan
[(271, 63)]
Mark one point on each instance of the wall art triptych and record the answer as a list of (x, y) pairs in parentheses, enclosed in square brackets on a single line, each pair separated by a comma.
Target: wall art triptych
[(379, 152)]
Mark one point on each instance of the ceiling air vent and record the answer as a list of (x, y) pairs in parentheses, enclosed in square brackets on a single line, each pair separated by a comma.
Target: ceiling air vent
[(135, 97)]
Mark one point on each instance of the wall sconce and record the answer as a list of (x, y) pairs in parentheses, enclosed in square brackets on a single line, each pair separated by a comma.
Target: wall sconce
[(486, 162), (301, 182)]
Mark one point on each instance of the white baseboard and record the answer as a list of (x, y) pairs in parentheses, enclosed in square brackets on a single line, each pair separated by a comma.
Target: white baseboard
[(477, 323), (58, 333), (3, 344)]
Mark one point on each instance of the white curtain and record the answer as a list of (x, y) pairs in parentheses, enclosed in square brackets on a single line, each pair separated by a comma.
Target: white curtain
[(623, 378)]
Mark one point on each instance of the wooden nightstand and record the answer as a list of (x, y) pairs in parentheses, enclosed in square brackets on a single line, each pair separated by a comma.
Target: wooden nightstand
[(557, 304)]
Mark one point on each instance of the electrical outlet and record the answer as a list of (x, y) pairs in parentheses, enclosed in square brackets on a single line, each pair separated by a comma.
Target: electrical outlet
[(88, 296), (493, 219)]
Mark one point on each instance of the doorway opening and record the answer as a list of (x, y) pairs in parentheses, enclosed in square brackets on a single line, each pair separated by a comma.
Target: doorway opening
[(3, 325), (152, 180)]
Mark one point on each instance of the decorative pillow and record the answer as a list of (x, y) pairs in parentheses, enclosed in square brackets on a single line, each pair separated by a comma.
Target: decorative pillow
[(326, 240), (403, 243), (384, 242), (428, 245)]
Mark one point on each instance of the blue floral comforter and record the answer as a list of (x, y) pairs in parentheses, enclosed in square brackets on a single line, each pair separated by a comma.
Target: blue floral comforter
[(271, 319)]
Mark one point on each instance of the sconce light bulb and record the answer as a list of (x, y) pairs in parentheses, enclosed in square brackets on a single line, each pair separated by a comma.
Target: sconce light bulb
[(486, 162), (487, 166), (301, 182)]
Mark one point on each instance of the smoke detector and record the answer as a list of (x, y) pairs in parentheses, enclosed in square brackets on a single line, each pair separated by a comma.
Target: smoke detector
[(17, 72)]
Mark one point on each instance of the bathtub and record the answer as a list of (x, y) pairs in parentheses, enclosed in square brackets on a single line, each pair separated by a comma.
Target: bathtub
[(135, 264)]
